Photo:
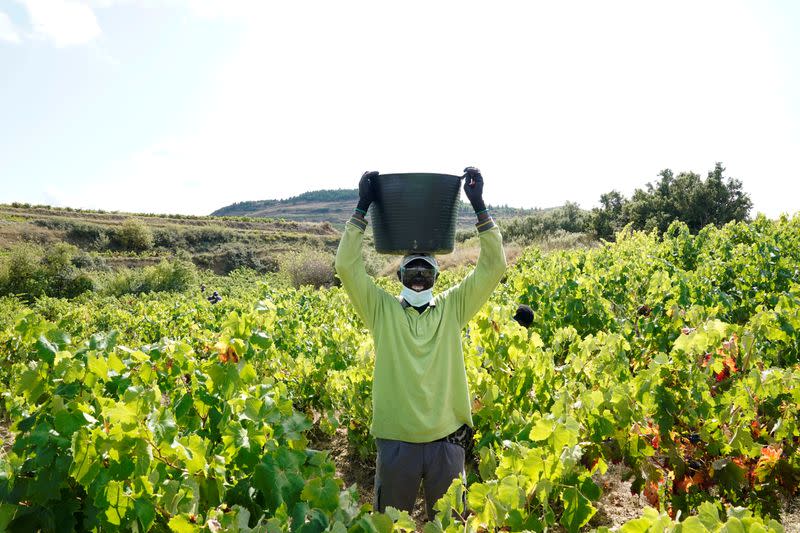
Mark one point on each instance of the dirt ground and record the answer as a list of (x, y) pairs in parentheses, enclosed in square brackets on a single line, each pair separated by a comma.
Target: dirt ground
[(616, 505), (790, 517)]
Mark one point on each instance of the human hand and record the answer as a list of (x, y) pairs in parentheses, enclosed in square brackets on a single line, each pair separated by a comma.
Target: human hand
[(473, 188), (366, 192)]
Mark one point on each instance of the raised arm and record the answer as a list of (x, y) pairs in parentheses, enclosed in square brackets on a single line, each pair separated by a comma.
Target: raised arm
[(470, 295), (360, 287)]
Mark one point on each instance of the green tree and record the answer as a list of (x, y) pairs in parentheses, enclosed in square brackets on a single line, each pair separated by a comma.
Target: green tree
[(686, 197), (607, 220)]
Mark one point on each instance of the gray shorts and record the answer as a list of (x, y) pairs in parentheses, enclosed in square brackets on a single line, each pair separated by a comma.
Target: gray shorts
[(401, 466)]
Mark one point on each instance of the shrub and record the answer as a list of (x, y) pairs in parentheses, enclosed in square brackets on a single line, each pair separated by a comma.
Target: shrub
[(133, 235), (123, 281), (237, 256), (374, 262), (203, 237), (85, 233), (87, 261), (175, 275), (30, 271), (169, 237), (21, 273), (308, 267)]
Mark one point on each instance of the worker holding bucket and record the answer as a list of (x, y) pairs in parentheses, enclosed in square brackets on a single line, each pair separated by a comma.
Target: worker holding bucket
[(421, 419)]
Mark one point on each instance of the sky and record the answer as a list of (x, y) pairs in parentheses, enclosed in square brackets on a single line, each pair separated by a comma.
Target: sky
[(185, 106)]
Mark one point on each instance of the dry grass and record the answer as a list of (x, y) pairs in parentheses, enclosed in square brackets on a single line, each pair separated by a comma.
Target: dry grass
[(15, 232), (462, 256)]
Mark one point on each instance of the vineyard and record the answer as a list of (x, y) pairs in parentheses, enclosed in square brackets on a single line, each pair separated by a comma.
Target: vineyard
[(676, 358)]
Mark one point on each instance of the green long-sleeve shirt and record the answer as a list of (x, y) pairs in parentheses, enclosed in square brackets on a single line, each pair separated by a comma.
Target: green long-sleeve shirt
[(419, 385)]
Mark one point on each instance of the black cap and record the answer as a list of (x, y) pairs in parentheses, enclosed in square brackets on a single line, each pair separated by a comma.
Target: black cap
[(524, 316)]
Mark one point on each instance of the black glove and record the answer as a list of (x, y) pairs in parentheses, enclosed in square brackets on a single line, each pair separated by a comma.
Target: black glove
[(366, 194), (473, 188)]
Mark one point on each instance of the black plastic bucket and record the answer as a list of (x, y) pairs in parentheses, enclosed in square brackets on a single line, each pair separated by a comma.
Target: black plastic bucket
[(415, 213)]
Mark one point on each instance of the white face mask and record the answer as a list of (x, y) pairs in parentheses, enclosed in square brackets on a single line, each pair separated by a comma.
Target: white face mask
[(416, 299)]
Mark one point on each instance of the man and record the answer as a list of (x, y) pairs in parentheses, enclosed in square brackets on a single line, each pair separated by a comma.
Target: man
[(215, 298), (421, 404)]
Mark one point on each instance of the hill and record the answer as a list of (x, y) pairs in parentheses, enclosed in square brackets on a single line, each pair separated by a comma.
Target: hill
[(129, 239), (336, 205)]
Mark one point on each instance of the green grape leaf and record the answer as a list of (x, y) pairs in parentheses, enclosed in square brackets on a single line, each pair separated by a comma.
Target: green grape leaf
[(30, 385), (85, 465), (145, 513), (402, 520), (97, 365), (577, 509), (488, 463), (7, 512), (565, 434), (162, 425), (67, 423), (115, 364), (542, 429), (775, 527), (294, 426), (590, 489), (118, 502), (195, 448), (122, 413), (279, 480), (432, 527), (509, 493), (46, 350), (225, 378), (322, 493), (637, 525), (376, 523), (182, 524), (708, 514), (733, 525), (692, 525)]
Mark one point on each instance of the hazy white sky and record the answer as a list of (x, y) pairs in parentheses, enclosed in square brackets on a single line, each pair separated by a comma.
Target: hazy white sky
[(183, 106)]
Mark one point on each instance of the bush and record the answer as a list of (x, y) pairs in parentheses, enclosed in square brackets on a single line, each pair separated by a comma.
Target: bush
[(101, 243), (134, 236), (204, 237), (170, 238), (30, 271), (541, 226), (21, 272), (87, 261), (374, 262), (86, 233), (308, 267), (174, 275), (237, 256)]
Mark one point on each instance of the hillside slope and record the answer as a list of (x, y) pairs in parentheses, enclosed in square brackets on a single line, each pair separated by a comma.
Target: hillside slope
[(335, 206), (129, 239)]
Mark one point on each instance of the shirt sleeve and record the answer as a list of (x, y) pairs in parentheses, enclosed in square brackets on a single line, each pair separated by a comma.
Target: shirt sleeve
[(359, 286), (470, 295)]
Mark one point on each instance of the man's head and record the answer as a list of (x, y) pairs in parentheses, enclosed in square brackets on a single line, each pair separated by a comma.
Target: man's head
[(418, 272), (524, 316)]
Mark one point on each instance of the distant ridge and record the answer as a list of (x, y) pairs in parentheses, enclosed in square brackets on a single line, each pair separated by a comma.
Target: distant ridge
[(335, 206)]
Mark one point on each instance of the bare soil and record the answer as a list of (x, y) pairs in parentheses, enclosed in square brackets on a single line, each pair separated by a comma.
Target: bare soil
[(616, 505), (790, 517)]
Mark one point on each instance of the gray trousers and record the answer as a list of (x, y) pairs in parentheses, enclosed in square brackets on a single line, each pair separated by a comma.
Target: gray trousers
[(402, 465)]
